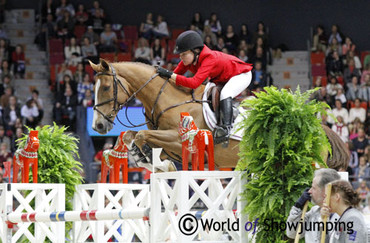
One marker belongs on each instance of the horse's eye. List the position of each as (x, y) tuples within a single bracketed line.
[(106, 88)]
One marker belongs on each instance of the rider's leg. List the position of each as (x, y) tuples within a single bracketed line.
[(232, 88)]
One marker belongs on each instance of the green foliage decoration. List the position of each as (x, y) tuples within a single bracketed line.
[(57, 162), (282, 138)]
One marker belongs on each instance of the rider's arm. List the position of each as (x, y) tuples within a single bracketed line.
[(201, 75)]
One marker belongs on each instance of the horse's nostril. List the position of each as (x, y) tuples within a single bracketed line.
[(100, 126)]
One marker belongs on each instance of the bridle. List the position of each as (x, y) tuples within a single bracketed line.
[(118, 106)]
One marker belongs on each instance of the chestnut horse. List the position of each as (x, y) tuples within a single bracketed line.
[(118, 83)]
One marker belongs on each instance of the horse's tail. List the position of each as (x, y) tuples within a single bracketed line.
[(339, 158)]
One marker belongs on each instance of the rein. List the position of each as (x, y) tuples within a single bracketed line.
[(117, 106)]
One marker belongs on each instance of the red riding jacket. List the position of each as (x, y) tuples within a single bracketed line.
[(217, 66)]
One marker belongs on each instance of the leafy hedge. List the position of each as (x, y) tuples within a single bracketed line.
[(282, 138), (57, 162)]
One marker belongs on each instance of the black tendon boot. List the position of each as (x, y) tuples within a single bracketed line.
[(222, 133)]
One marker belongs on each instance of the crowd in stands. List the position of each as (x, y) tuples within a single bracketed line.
[(15, 112), (345, 87)]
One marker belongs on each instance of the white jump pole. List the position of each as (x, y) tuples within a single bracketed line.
[(88, 215)]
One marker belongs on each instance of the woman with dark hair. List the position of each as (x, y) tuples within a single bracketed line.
[(214, 23), (197, 22), (351, 226)]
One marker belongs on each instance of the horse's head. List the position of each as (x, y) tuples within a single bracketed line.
[(108, 96)]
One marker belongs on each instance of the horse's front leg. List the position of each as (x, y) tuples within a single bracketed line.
[(169, 140)]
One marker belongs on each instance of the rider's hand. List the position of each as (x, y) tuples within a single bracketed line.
[(302, 200), (164, 73)]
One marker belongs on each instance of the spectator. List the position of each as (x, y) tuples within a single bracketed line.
[(88, 100), (4, 50), (160, 29), (5, 70), (260, 32), (242, 55), (208, 32), (50, 26), (64, 111), (7, 82), (39, 103), (365, 72), (81, 15), (30, 113), (146, 28), (357, 112), (339, 111), (157, 53), (231, 39), (332, 87), (67, 82), (353, 88), (259, 56), (89, 51), (244, 46), (341, 129), (319, 40), (4, 100), (363, 170), (63, 71), (360, 143), (208, 42), (335, 34), (354, 127), (48, 8), (78, 76), (108, 39), (63, 8), (351, 71), (72, 51), (322, 95), (96, 8), (17, 135), (11, 113), (220, 44), (348, 46), (18, 60), (91, 35), (197, 22), (65, 26), (142, 52), (365, 89), (334, 46), (5, 153), (352, 55), (82, 87), (3, 138), (215, 24), (340, 96), (244, 36), (259, 77)]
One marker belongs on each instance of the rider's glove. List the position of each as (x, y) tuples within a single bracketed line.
[(302, 200), (164, 73)]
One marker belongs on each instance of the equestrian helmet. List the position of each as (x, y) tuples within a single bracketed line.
[(188, 40)]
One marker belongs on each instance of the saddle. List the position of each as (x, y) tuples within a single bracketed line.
[(213, 96)]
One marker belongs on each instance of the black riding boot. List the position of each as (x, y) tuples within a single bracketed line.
[(222, 132)]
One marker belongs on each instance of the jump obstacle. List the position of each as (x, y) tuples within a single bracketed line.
[(105, 210)]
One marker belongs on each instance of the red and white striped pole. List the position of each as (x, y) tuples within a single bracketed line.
[(87, 215)]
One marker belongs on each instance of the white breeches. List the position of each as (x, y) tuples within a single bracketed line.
[(236, 85)]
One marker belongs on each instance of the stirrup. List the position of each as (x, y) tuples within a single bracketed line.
[(221, 135)]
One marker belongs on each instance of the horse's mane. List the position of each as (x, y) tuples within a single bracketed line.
[(339, 158), (151, 69)]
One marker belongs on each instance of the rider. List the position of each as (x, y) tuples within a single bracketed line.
[(219, 67)]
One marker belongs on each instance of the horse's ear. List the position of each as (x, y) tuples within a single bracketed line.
[(104, 64), (97, 68)]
